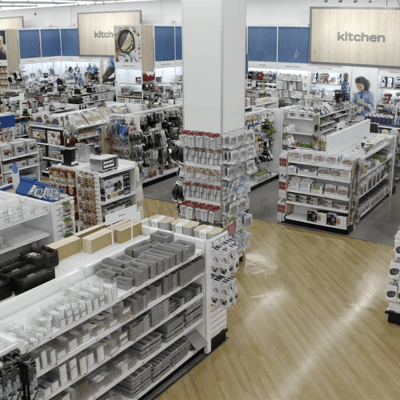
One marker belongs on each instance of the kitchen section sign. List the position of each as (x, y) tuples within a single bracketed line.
[(355, 36), (128, 46), (96, 31)]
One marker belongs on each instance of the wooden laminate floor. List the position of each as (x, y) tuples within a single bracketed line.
[(309, 324)]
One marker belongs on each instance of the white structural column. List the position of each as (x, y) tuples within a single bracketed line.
[(214, 47)]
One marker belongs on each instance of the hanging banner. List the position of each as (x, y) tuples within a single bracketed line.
[(3, 49), (12, 23), (128, 46), (355, 36), (96, 31)]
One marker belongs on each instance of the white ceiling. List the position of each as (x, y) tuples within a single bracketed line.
[(8, 5)]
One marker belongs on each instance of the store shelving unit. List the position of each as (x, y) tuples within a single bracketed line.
[(79, 269), (124, 166), (358, 204), (45, 226), (32, 169)]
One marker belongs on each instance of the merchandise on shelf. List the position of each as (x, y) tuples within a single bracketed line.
[(209, 157), (307, 127), (89, 213), (313, 184), (64, 178), (262, 122), (147, 138), (392, 289), (22, 152)]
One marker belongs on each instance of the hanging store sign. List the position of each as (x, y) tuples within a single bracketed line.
[(128, 46), (96, 31), (12, 23), (354, 36)]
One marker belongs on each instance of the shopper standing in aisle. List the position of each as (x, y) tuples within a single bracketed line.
[(346, 89), (364, 98)]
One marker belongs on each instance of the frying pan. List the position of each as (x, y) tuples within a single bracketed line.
[(122, 37)]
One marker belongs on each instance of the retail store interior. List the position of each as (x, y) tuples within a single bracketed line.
[(198, 199)]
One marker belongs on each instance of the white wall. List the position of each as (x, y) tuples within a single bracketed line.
[(259, 12), (153, 12), (297, 12)]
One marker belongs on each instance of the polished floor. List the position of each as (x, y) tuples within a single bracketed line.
[(309, 324)]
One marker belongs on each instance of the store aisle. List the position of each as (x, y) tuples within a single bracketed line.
[(309, 324)]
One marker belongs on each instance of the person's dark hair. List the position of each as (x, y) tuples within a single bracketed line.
[(364, 82)]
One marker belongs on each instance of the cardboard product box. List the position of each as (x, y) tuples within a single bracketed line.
[(90, 230), (198, 229), (123, 233), (178, 224), (166, 223), (155, 219), (392, 292), (202, 233), (137, 228), (67, 247), (214, 232), (97, 241), (188, 229)]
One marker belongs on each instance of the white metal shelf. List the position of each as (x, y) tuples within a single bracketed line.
[(147, 359), (373, 187), (375, 169), (369, 209), (21, 236), (303, 218), (22, 168), (374, 151), (126, 346), (320, 178), (318, 206), (335, 112), (318, 195), (302, 133), (52, 159), (166, 172), (300, 118), (93, 340), (196, 200), (327, 123), (154, 384), (4, 160), (49, 145), (2, 227), (122, 294), (56, 128), (346, 168), (203, 166), (90, 370), (114, 199)]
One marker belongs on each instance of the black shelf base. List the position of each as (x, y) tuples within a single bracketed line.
[(321, 227)]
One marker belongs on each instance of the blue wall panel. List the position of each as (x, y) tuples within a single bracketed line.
[(178, 41), (70, 42), (294, 44), (51, 46), (262, 43), (164, 38), (29, 43)]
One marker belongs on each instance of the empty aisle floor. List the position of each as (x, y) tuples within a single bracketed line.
[(309, 324)]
